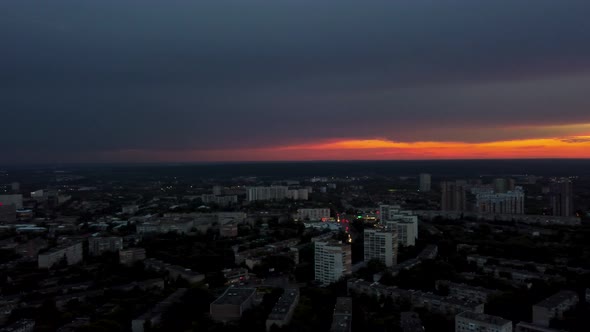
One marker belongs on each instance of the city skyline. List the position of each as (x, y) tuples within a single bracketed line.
[(113, 81)]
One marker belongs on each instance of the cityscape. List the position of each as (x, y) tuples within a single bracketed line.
[(173, 248), (294, 166)]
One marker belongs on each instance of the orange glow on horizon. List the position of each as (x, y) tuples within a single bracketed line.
[(380, 149)]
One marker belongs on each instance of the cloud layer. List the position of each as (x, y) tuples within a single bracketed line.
[(96, 81)]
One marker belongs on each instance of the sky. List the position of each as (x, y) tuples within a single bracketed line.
[(237, 80)]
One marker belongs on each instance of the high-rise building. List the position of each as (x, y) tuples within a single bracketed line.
[(471, 321), (562, 198), (333, 260), (454, 196), (407, 232), (511, 202), (388, 212), (381, 245), (217, 190), (424, 182), (272, 193)]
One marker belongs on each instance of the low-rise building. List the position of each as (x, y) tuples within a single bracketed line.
[(228, 230), (554, 307), (410, 322), (71, 252), (131, 255), (154, 315), (232, 304), (174, 271), (528, 327), (342, 317), (471, 321), (100, 245), (282, 312), (464, 291)]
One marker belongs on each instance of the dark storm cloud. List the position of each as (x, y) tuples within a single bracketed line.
[(79, 77)]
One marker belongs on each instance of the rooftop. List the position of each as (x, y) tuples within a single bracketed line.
[(284, 304), (495, 320), (235, 296), (343, 305), (341, 323), (557, 299)]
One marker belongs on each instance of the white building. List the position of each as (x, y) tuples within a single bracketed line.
[(381, 245), (313, 214), (407, 232), (425, 184), (387, 212), (511, 202), (71, 252), (405, 222), (477, 322), (332, 261), (99, 245)]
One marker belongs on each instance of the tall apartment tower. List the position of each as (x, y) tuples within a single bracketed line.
[(453, 196), (381, 245), (424, 182), (333, 260), (562, 198)]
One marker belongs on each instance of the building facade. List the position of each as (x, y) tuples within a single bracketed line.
[(511, 202), (381, 245), (313, 214), (71, 252), (478, 322), (333, 260), (453, 196), (99, 245), (562, 198), (554, 307), (131, 255), (425, 184)]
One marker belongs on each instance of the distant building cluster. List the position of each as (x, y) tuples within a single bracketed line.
[(509, 202), (276, 193)]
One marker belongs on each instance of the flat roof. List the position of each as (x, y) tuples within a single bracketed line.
[(235, 295), (343, 305), (495, 320), (281, 308), (341, 323), (557, 299)]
